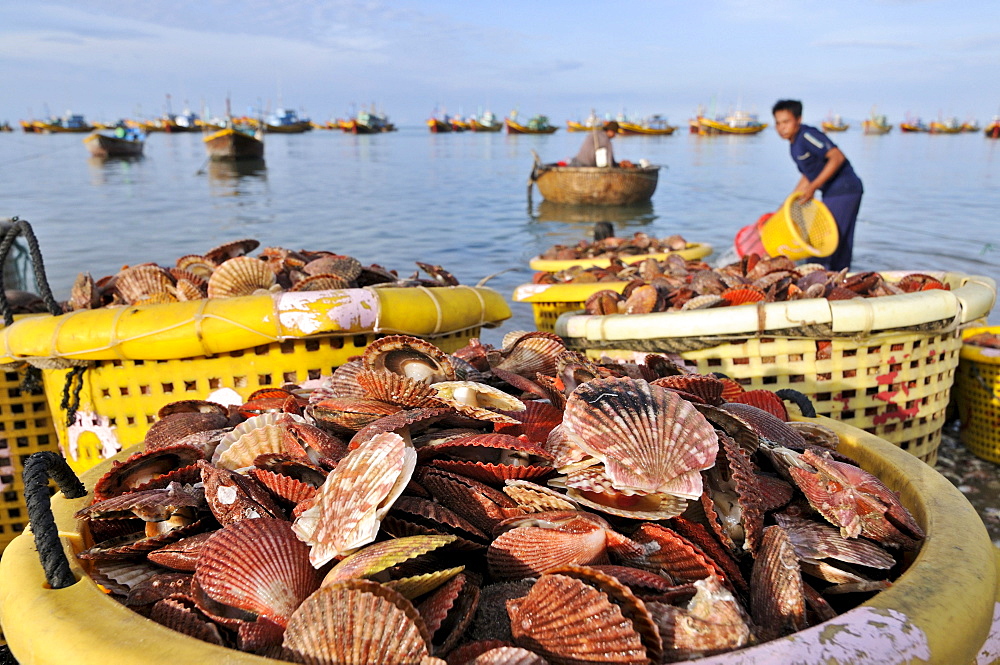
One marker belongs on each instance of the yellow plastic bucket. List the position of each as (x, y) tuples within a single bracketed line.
[(800, 230), (940, 611)]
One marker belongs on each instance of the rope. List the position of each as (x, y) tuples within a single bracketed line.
[(6, 657), (802, 401), (32, 380), (38, 469), (22, 227), (71, 393)]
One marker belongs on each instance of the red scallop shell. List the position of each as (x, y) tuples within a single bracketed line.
[(712, 622), (774, 492), (528, 551), (673, 555), (637, 579), (535, 422), (765, 400), (734, 472), (282, 486), (259, 566), (699, 536), (457, 599), (352, 413), (410, 419), (813, 540), (707, 388), (766, 425), (386, 386), (477, 502), (730, 388), (182, 616), (436, 516), (568, 621), (743, 295), (532, 354), (357, 622), (175, 426), (777, 601), (140, 468), (495, 474), (182, 554)]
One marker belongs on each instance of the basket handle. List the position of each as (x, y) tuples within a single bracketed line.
[(38, 469), (801, 400), (22, 227)]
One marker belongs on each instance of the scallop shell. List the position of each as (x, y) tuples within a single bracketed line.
[(766, 425), (141, 283), (84, 294), (670, 553), (492, 458), (732, 502), (415, 586), (528, 551), (154, 505), (411, 357), (232, 497), (182, 616), (777, 603), (816, 434), (712, 622), (532, 354), (284, 487), (140, 468), (119, 577), (377, 557), (706, 388), (392, 388), (764, 400), (355, 497), (356, 623), (229, 250), (648, 438), (240, 276), (344, 382), (197, 264), (406, 420), (347, 268), (568, 621), (476, 399), (249, 424), (172, 427), (535, 498), (508, 656), (812, 541), (457, 600), (321, 282), (259, 441), (699, 536), (536, 421), (192, 406), (159, 587), (593, 489), (258, 566), (352, 413), (180, 555), (477, 502), (436, 516), (567, 454)]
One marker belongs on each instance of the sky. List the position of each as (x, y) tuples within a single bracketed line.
[(109, 59)]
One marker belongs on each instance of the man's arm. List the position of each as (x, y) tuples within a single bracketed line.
[(834, 160)]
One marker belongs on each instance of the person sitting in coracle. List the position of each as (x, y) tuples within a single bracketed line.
[(596, 142)]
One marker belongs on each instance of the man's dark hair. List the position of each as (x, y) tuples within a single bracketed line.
[(611, 126), (793, 106)]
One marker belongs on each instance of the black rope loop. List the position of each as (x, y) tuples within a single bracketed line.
[(801, 400), (31, 383), (71, 393), (23, 228), (38, 469)]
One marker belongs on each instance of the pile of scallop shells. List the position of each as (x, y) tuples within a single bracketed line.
[(228, 271), (512, 505), (678, 285), (985, 339), (613, 246)]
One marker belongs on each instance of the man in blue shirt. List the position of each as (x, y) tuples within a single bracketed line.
[(824, 168)]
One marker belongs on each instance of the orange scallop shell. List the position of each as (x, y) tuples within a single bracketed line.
[(743, 295), (141, 283), (477, 502), (765, 400), (392, 388), (568, 621), (648, 438), (707, 388), (535, 422), (531, 354), (321, 282), (530, 550), (357, 622), (240, 276), (257, 565), (777, 601)]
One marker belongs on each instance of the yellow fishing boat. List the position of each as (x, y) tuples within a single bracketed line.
[(738, 122), (655, 125), (70, 123), (949, 126), (835, 124), (992, 130), (538, 124), (876, 124)]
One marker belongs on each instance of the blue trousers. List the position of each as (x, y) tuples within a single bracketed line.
[(844, 208)]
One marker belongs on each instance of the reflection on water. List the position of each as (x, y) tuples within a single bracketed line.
[(226, 177), (623, 216), (113, 170)]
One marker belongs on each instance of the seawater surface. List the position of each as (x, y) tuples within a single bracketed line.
[(460, 200)]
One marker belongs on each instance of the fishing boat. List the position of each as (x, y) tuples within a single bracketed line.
[(654, 125), (485, 122), (538, 124), (370, 122), (286, 121), (235, 144), (737, 122), (949, 126), (69, 123), (5, 127), (876, 124), (992, 130), (912, 125), (594, 185), (30, 127), (459, 125), (125, 142), (592, 122), (835, 124), (970, 126), (440, 125)]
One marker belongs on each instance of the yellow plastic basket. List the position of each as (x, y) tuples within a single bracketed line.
[(25, 428), (550, 301), (800, 231), (884, 365), (977, 386), (118, 399)]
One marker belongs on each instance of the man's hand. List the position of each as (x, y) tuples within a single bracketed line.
[(806, 192)]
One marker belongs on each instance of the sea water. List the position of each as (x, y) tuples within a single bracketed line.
[(461, 200)]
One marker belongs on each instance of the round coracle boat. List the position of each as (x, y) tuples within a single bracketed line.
[(596, 185)]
